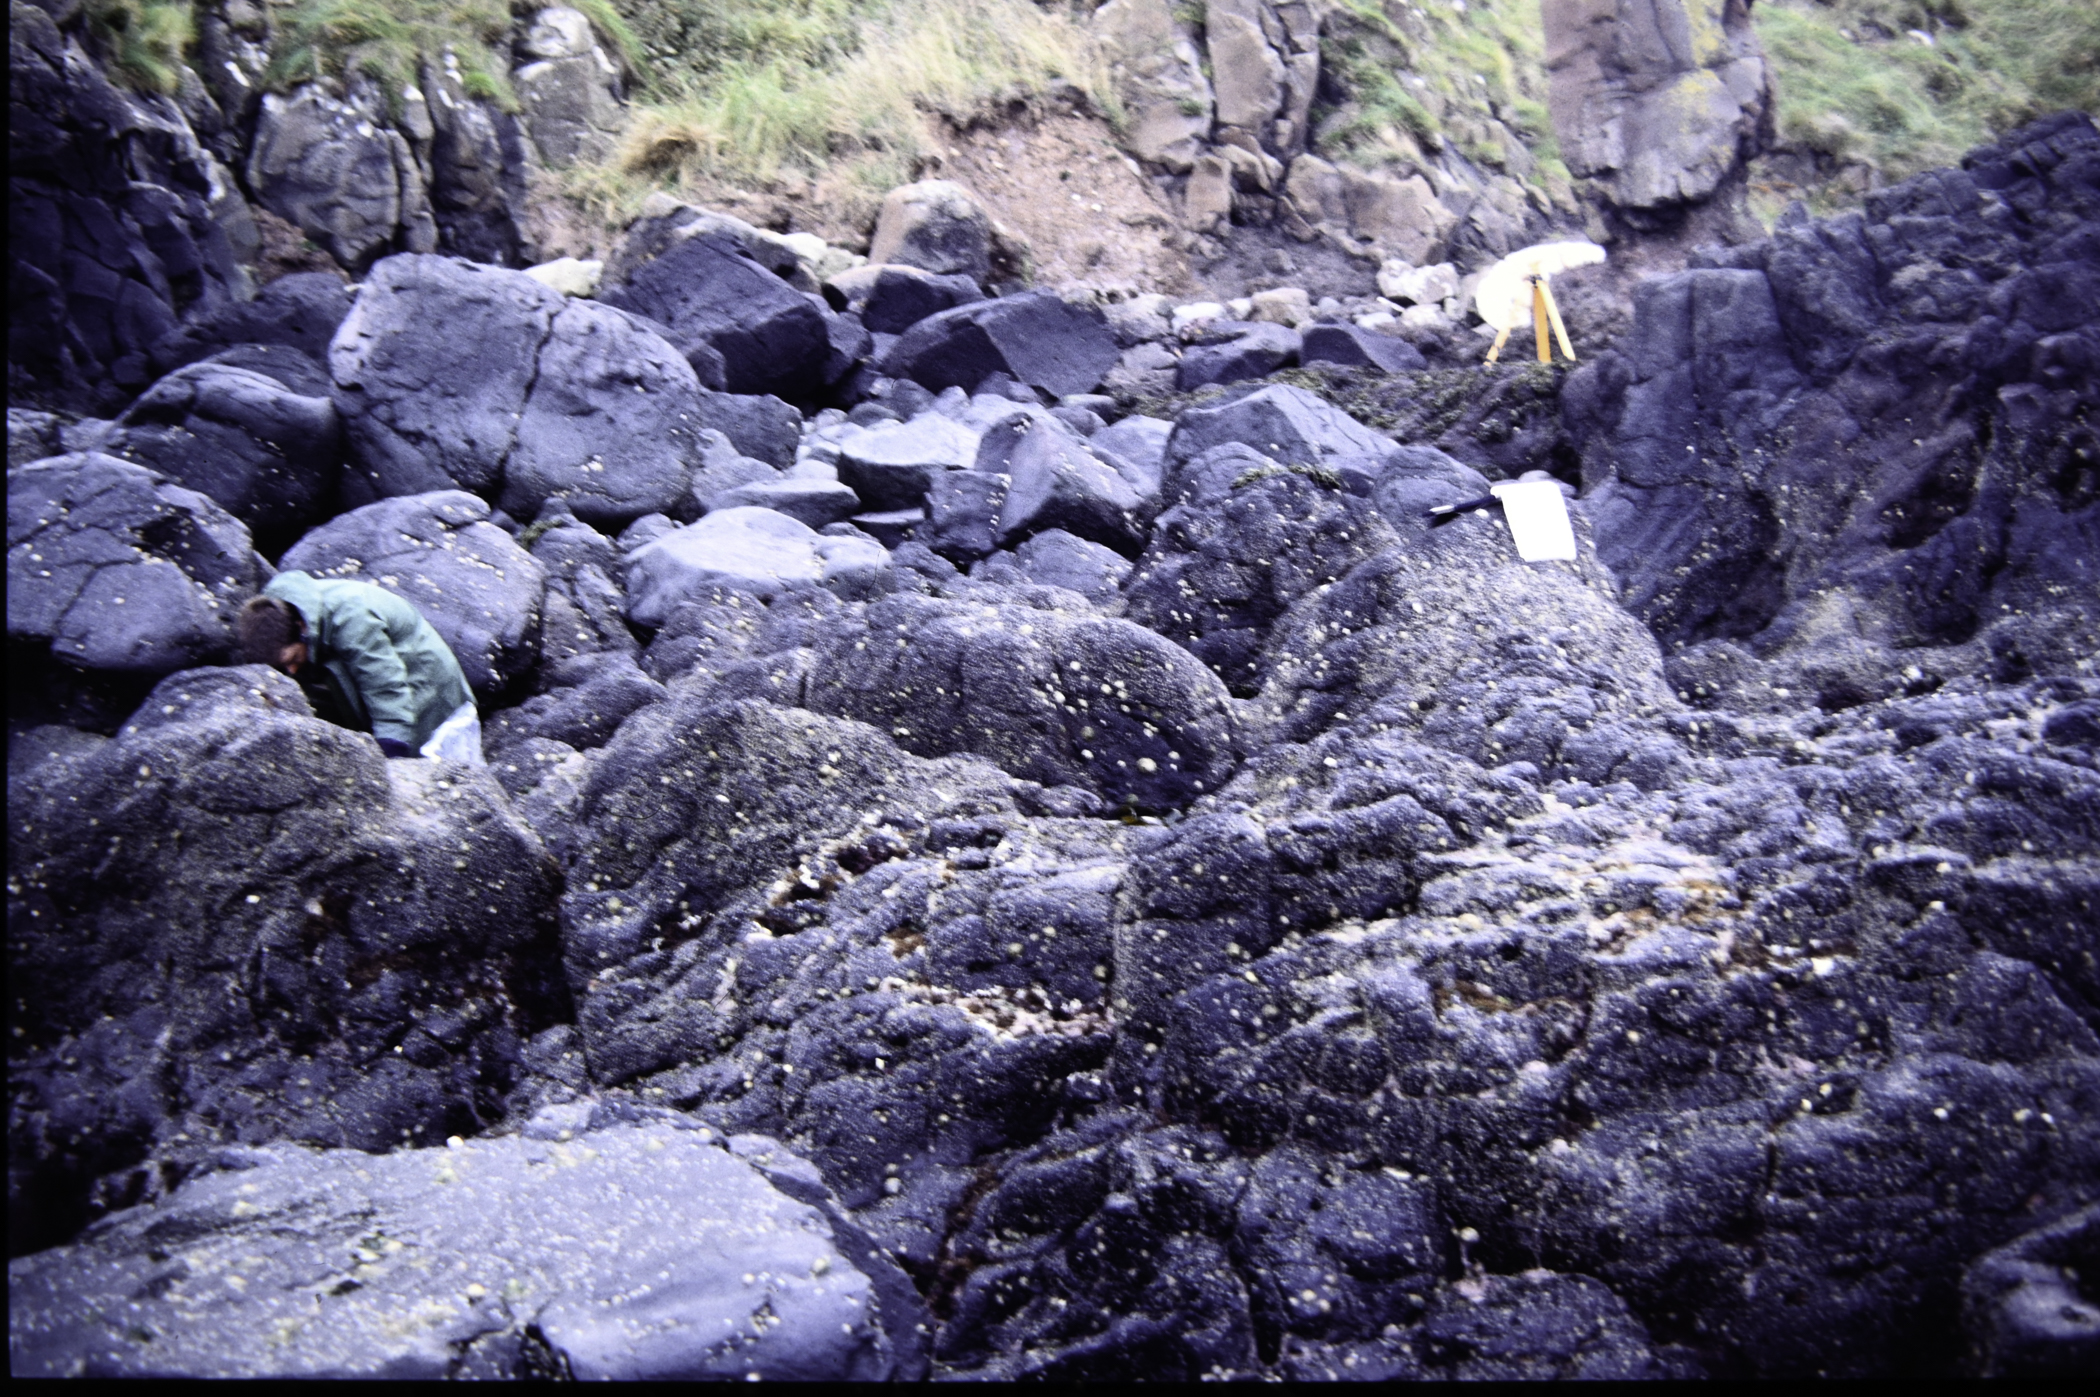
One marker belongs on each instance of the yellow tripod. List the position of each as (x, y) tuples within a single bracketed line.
[(1543, 309)]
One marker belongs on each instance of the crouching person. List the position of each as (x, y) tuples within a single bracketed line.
[(367, 660)]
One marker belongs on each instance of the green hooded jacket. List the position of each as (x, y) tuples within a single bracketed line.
[(385, 669)]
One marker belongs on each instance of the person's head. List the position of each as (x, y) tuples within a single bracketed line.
[(273, 633)]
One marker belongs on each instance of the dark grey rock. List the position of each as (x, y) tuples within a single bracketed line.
[(892, 528), (329, 164), (723, 469), (1253, 351), (1766, 465), (300, 311), (272, 456), (113, 234), (618, 1254), (2029, 1307), (583, 610), (1036, 337), (1353, 345), (1056, 558), (892, 465), (760, 426), (31, 436), (890, 297), (1245, 538), (1286, 424), (587, 697), (609, 424), (750, 549), (708, 291), (1057, 483), (962, 513), (111, 566), (227, 839), (423, 321), (481, 171), (814, 502), (1058, 699), (480, 591)]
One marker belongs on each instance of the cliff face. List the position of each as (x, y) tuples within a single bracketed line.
[(1010, 843)]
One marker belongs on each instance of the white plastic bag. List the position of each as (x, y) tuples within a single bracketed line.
[(458, 738)]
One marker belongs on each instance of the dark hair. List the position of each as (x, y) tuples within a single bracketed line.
[(265, 627)]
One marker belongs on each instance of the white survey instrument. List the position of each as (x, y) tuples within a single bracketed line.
[(1519, 283), (1538, 519)]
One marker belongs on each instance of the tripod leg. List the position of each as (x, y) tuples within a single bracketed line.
[(1496, 352), (1538, 320), (1559, 329)]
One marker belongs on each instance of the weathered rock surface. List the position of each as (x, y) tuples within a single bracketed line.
[(300, 311), (1659, 99), (1241, 929), (610, 424), (1159, 75), (332, 167), (456, 376), (432, 368), (569, 90), (720, 305), (750, 548), (1035, 337), (1864, 447), (697, 1268), (937, 226), (237, 922), (115, 228), (270, 455), (111, 566)]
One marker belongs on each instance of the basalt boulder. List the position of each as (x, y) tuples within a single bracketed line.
[(270, 455), (238, 922), (113, 567)]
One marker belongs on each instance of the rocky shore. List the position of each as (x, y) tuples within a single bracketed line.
[(1011, 846)]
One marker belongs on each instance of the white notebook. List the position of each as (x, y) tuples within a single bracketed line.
[(1538, 519)]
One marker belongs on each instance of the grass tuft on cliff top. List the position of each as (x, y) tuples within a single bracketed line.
[(145, 40), (389, 40), (1911, 85), (756, 93)]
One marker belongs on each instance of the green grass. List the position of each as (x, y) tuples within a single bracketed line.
[(1854, 84), (1421, 78), (773, 89), (388, 41), (144, 39)]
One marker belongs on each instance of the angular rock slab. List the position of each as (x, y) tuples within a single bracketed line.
[(267, 454), (890, 466), (1258, 349), (713, 296), (1057, 483), (118, 568), (1351, 344), (750, 549), (1286, 424), (1036, 337), (634, 1252), (937, 226), (475, 586)]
